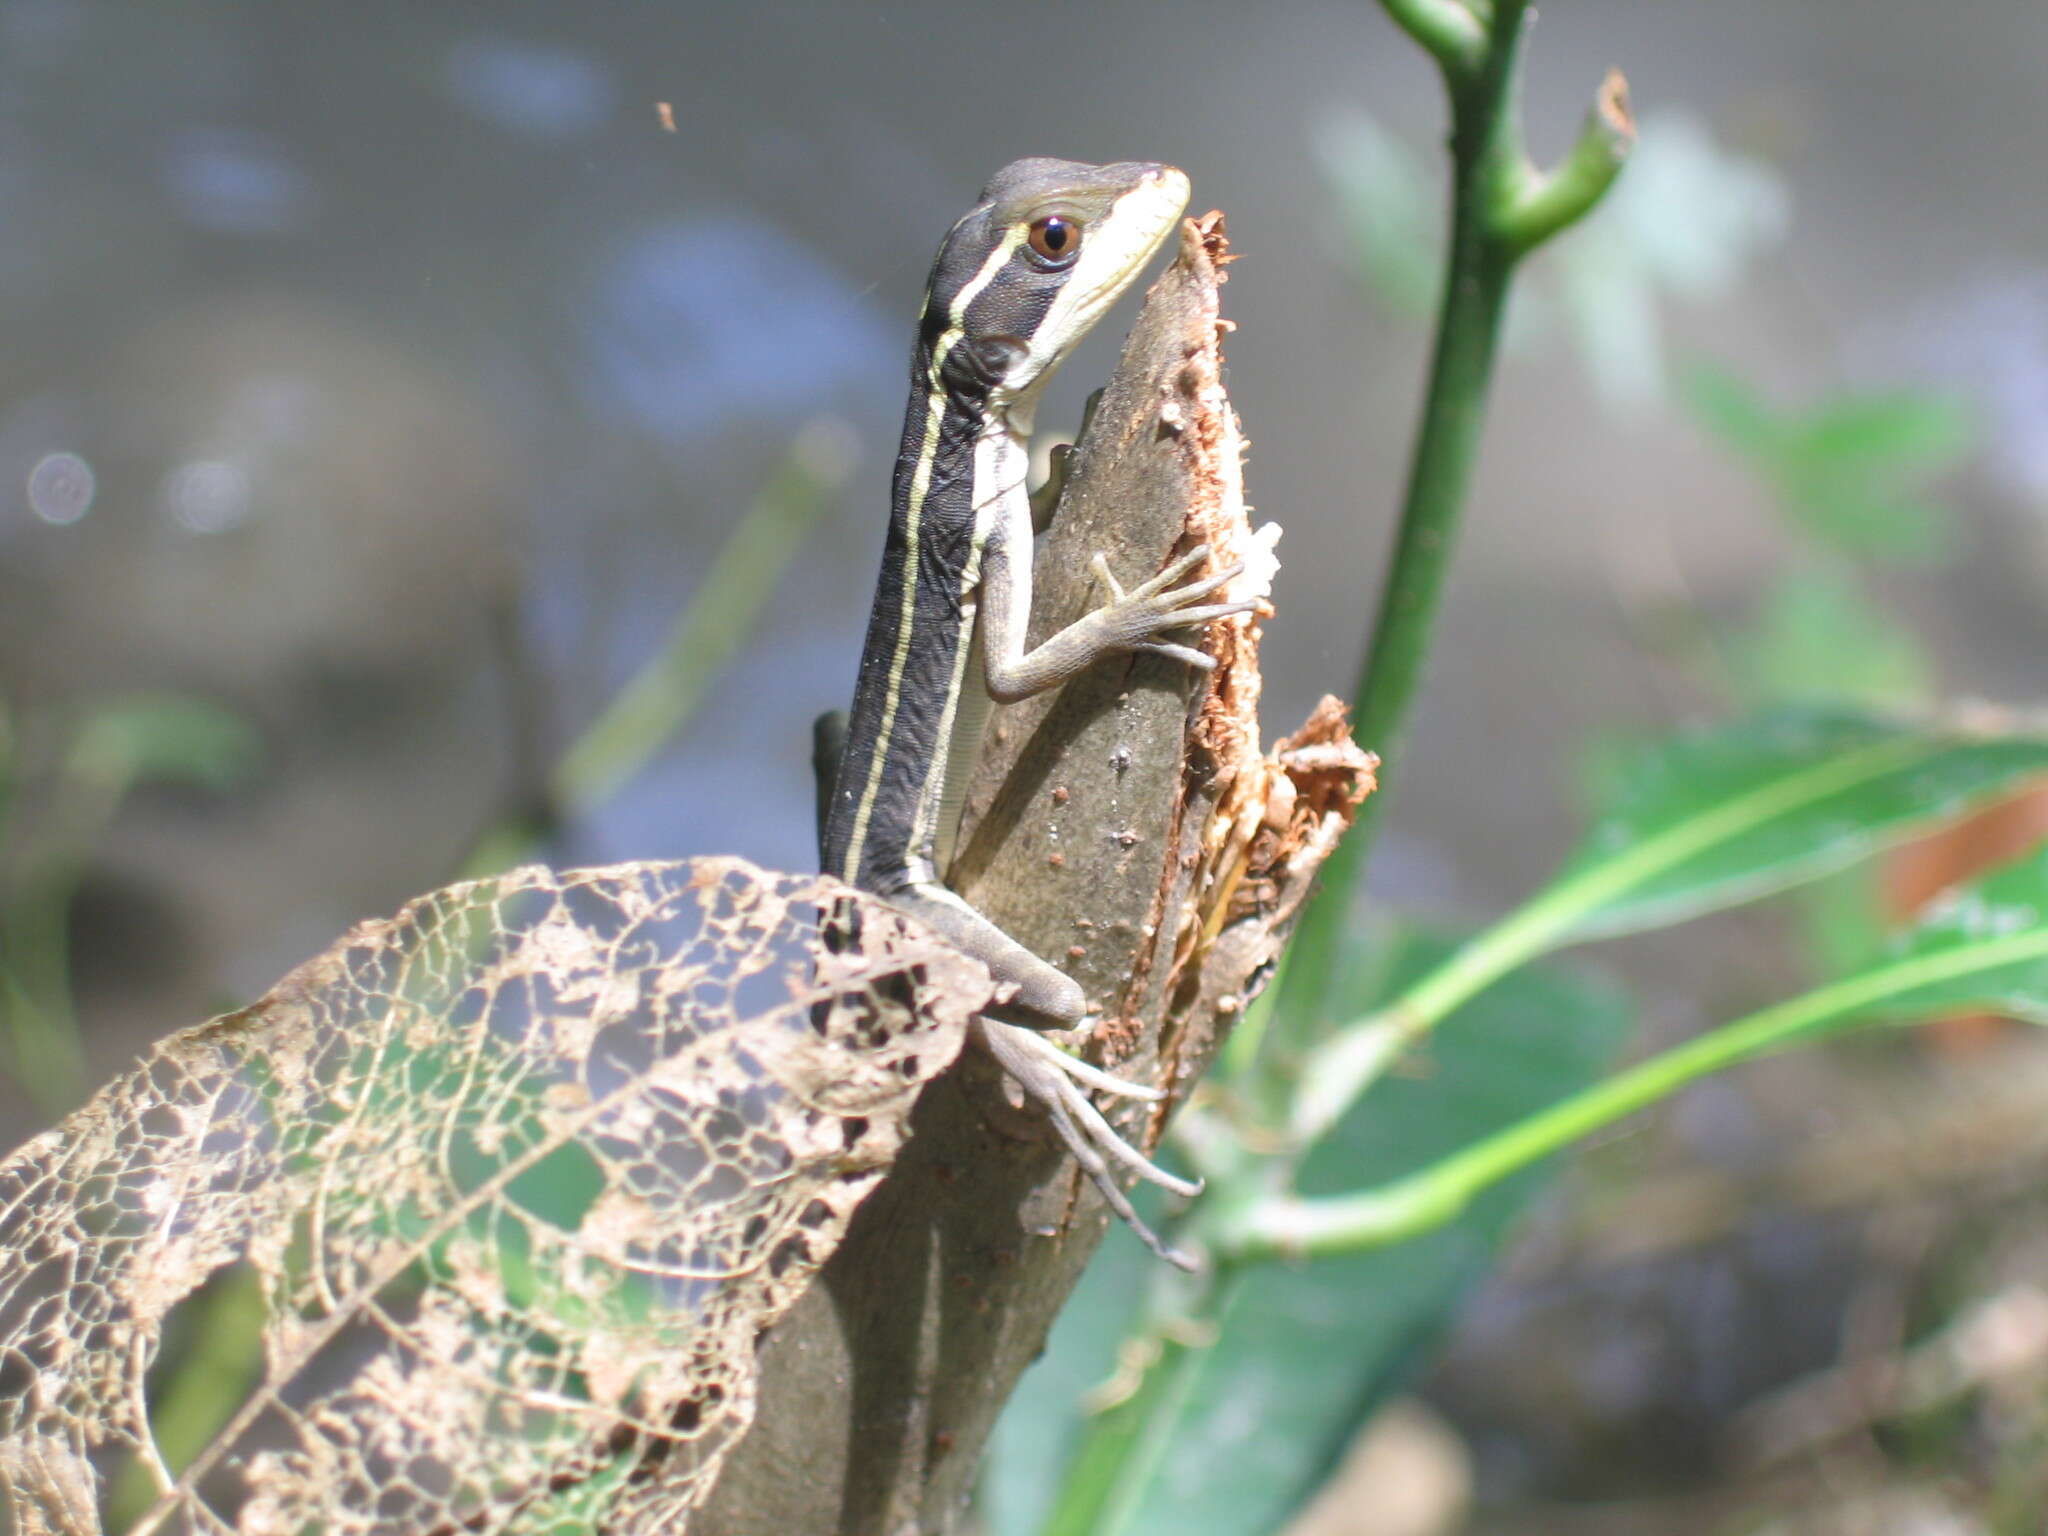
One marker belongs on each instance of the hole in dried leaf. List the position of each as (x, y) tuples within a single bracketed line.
[(791, 1250), (561, 1187)]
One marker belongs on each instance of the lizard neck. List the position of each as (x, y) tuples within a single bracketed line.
[(881, 825)]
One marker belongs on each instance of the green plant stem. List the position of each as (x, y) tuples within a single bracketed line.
[(1501, 208), (1533, 205), (48, 1056), (660, 698), (1290, 1226), (1439, 470), (225, 1364), (1450, 30)]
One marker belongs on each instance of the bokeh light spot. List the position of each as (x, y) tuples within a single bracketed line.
[(207, 495), (60, 488)]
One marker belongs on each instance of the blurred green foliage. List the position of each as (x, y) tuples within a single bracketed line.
[(1232, 1400), (1849, 473), (64, 776), (1416, 1130), (1851, 479)]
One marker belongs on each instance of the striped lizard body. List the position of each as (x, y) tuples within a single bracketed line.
[(1017, 282)]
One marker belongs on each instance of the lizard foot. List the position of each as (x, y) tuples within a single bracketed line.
[(1052, 1079), (1154, 607)]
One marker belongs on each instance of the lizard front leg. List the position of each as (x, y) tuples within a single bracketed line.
[(1048, 1076), (1130, 621)]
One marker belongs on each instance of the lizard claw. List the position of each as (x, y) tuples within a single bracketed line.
[(1201, 661), (1051, 1079)]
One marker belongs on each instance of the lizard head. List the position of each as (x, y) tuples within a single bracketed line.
[(1034, 264)]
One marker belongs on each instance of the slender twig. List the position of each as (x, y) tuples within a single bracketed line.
[(48, 1052), (1537, 204), (660, 698)]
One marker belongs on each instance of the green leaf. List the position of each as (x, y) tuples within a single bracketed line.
[(1902, 430), (1734, 412), (1982, 947), (1820, 637), (1856, 517), (1307, 1353), (1858, 521), (1846, 472), (1843, 922), (1713, 818)]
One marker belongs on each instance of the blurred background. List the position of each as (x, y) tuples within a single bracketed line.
[(385, 380)]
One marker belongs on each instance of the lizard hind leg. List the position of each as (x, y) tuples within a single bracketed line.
[(1048, 1077), (1040, 989)]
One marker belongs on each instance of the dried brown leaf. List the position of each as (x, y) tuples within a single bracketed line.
[(524, 1171)]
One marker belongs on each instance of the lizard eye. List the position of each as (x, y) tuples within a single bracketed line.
[(1055, 240)]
